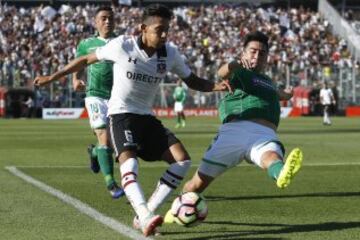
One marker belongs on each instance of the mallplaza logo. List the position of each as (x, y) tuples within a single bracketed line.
[(60, 113)]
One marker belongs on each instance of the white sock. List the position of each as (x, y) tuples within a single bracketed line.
[(133, 191), (327, 119), (168, 182)]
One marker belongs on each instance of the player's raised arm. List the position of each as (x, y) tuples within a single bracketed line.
[(203, 85), (226, 70), (74, 66)]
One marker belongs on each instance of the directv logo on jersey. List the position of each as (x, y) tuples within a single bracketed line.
[(143, 77), (132, 60)]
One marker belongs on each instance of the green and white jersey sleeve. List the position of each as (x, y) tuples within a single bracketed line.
[(100, 74)]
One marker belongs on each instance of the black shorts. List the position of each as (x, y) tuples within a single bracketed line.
[(143, 134)]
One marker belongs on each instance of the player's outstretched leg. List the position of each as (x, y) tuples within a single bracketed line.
[(94, 164), (290, 168)]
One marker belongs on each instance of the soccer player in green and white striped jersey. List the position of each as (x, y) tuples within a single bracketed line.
[(98, 88)]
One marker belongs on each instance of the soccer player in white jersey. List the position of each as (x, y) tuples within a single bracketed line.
[(140, 64), (326, 99)]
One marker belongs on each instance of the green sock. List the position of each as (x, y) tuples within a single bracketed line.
[(275, 169), (104, 154), (178, 120)]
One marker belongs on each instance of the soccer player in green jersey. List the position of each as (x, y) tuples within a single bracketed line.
[(98, 88), (250, 117), (179, 96)]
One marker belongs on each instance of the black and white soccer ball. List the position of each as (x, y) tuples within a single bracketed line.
[(189, 209)]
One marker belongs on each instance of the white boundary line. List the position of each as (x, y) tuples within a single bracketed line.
[(155, 165), (82, 207)]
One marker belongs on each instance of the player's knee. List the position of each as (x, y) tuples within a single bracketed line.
[(125, 155), (267, 158)]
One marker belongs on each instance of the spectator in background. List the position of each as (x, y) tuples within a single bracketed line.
[(326, 99), (207, 35), (179, 96)]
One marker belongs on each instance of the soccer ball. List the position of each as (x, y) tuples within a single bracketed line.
[(189, 209)]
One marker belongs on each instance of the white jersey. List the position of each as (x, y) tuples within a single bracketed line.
[(326, 96), (137, 76)]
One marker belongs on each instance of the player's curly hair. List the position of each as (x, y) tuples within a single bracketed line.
[(157, 10), (257, 36)]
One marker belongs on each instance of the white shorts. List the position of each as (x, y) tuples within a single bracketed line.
[(178, 107), (237, 141), (97, 109)]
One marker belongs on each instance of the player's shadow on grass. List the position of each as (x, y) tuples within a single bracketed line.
[(326, 194), (281, 229)]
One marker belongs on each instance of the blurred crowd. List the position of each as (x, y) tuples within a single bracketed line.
[(39, 40), (353, 17)]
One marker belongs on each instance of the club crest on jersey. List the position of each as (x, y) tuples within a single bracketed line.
[(161, 67), (132, 60)]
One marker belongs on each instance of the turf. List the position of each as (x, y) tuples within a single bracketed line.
[(322, 202)]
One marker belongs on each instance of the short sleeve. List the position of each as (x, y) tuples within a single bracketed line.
[(80, 51), (110, 51), (180, 67)]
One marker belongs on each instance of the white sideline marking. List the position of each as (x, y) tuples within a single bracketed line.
[(155, 165), (82, 207)]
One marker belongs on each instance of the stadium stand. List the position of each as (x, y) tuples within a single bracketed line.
[(303, 51)]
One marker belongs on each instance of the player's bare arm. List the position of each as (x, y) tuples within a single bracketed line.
[(78, 82), (74, 66), (226, 70), (199, 84)]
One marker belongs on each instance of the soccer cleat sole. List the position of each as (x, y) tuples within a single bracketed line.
[(291, 167)]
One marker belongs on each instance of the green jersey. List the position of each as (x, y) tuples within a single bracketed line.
[(100, 74), (179, 94), (255, 97)]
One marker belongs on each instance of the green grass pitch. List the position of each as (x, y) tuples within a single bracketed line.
[(323, 201)]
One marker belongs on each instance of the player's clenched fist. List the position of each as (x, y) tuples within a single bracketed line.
[(223, 86), (41, 80)]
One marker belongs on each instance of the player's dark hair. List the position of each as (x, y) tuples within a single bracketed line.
[(156, 10), (104, 8), (258, 37)]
